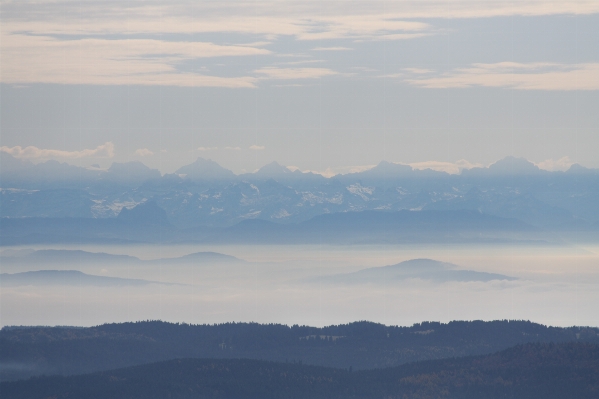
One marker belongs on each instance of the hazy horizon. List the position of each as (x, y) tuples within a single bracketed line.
[(554, 286), (328, 87), (452, 168)]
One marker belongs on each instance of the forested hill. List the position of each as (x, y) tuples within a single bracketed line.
[(547, 371), (362, 345)]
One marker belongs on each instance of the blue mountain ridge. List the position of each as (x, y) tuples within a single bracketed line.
[(206, 194)]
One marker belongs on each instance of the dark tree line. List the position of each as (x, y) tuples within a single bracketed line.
[(361, 345)]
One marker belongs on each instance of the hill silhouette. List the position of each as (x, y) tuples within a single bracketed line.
[(362, 345), (527, 371)]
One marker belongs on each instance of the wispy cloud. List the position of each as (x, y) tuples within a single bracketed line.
[(418, 71), (105, 150), (257, 147), (269, 18), (294, 73), (532, 76), (360, 27), (396, 36), (332, 49), (43, 59), (143, 152)]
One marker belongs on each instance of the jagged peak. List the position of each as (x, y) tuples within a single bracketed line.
[(205, 169), (273, 168)]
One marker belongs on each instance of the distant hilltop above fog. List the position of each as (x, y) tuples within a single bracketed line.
[(203, 196), (78, 257), (424, 269)]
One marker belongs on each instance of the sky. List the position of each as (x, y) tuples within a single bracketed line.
[(326, 86)]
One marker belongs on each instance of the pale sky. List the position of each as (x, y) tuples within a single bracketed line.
[(325, 85)]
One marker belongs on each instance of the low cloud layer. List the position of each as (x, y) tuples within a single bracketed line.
[(513, 75), (105, 150)]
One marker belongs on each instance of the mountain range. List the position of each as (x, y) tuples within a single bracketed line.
[(206, 195)]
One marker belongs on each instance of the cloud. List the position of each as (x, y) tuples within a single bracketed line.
[(532, 76), (267, 19), (257, 147), (207, 148), (116, 44), (453, 168), (332, 49), (360, 27), (562, 164), (98, 61), (294, 73), (302, 62), (105, 150), (418, 71), (398, 36), (143, 152)]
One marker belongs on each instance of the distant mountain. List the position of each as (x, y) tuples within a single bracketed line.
[(376, 227), (424, 269), (147, 222), (66, 277), (10, 164), (133, 172), (55, 175), (385, 171), (508, 166), (272, 170), (31, 231), (404, 220), (513, 165), (206, 194), (18, 203), (143, 214), (530, 371), (577, 169), (204, 169)]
